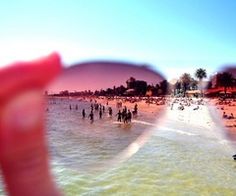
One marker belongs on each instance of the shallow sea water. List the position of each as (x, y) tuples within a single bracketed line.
[(178, 159)]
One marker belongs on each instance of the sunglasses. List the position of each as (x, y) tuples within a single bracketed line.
[(96, 115), (102, 110)]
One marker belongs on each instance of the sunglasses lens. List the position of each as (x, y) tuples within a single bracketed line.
[(102, 112), (222, 90)]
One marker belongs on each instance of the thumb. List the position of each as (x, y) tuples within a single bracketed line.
[(23, 151)]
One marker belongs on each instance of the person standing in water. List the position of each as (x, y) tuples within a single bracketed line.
[(100, 113), (110, 111), (136, 109), (70, 107), (123, 115), (83, 113), (125, 109), (119, 114), (129, 116), (91, 116)]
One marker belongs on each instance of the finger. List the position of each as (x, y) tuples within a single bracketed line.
[(21, 76)]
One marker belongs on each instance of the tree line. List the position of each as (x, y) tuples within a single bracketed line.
[(133, 87), (185, 82), (223, 79)]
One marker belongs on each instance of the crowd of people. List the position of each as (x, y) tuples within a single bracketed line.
[(124, 115), (187, 102), (227, 106)]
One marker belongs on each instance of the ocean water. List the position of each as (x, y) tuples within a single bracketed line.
[(177, 159), (77, 143)]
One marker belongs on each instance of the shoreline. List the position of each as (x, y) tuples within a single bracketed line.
[(143, 107), (195, 112)]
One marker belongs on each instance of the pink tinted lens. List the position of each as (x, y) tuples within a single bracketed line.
[(101, 112)]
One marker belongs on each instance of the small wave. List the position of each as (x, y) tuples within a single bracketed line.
[(223, 142), (177, 131), (137, 121), (144, 122)]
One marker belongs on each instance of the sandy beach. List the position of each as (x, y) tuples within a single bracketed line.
[(227, 112), (142, 105), (192, 111)]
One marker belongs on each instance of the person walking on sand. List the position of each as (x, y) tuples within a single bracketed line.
[(83, 113)]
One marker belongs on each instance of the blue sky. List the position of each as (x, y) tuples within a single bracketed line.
[(172, 36)]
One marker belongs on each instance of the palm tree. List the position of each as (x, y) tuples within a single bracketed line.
[(225, 80), (177, 87), (185, 81), (200, 74), (164, 87)]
